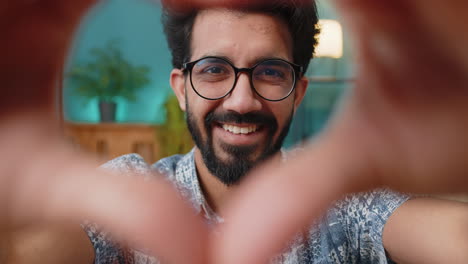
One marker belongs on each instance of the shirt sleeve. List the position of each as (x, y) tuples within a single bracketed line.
[(106, 250), (365, 216)]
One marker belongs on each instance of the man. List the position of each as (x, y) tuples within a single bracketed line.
[(57, 198), (238, 75)]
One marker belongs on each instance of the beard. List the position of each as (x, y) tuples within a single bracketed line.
[(232, 170)]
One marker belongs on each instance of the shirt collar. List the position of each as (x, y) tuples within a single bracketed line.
[(187, 182)]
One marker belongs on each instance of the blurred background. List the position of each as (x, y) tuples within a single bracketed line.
[(116, 96)]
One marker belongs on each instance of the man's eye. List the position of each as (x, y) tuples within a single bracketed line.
[(270, 73), (214, 70)]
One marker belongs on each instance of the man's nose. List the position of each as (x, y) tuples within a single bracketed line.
[(242, 98)]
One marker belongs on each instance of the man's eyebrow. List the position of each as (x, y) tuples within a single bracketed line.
[(217, 56), (264, 58), (257, 60)]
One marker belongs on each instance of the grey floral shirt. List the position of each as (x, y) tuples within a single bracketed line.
[(350, 231)]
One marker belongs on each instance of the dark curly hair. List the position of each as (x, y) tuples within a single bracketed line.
[(300, 17)]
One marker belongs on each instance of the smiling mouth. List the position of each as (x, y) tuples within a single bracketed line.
[(240, 130)]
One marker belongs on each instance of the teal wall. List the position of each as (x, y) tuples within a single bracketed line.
[(137, 24)]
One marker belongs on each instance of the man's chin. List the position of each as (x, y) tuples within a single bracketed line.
[(232, 153), (230, 163)]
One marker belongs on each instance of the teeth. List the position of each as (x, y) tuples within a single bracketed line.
[(240, 130)]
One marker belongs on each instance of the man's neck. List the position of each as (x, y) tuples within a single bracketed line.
[(216, 193)]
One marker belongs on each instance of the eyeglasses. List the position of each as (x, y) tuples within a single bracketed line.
[(213, 78)]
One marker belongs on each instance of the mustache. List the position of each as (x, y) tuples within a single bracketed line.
[(258, 118)]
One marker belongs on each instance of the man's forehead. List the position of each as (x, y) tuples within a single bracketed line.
[(227, 15), (210, 22), (232, 12)]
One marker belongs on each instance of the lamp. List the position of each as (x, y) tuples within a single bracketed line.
[(330, 45), (330, 42)]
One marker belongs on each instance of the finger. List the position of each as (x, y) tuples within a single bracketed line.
[(411, 90), (44, 182), (148, 215), (448, 20), (394, 41), (36, 36), (277, 202), (188, 5)]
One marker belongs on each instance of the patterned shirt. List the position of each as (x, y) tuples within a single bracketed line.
[(349, 232)]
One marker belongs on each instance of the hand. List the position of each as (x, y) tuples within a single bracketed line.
[(333, 154), (403, 126), (41, 180)]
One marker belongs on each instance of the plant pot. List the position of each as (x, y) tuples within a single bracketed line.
[(107, 111)]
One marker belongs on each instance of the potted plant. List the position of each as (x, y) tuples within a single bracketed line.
[(108, 77), (174, 136)]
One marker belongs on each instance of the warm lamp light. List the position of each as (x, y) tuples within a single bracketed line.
[(330, 43)]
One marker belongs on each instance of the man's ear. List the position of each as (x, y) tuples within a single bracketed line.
[(177, 82), (301, 88)]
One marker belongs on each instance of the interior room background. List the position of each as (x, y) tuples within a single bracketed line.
[(135, 26)]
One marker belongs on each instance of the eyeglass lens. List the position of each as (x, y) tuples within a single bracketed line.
[(214, 78)]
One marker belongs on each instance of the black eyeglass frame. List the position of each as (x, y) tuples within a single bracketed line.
[(298, 71)]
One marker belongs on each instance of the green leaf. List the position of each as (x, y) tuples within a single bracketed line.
[(108, 75)]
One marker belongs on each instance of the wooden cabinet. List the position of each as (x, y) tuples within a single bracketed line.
[(110, 140)]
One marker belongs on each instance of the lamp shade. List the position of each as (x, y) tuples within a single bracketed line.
[(330, 39)]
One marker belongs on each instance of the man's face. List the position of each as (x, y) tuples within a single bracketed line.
[(238, 131)]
